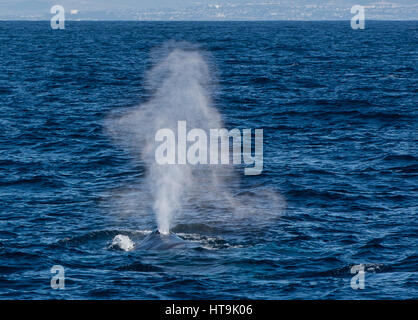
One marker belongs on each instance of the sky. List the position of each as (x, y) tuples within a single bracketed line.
[(208, 9)]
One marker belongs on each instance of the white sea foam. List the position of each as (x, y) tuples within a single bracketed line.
[(122, 242)]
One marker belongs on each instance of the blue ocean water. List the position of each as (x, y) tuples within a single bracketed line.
[(339, 112)]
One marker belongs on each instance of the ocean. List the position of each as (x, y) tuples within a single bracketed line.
[(339, 188)]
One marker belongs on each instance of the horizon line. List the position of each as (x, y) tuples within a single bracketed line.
[(254, 20)]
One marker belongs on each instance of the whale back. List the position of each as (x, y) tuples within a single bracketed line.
[(159, 241)]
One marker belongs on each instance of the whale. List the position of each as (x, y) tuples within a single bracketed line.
[(160, 241)]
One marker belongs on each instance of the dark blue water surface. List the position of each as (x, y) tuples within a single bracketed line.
[(339, 112)]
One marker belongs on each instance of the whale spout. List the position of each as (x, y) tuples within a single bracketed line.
[(160, 241)]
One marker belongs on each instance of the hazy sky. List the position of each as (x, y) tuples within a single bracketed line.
[(38, 8)]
